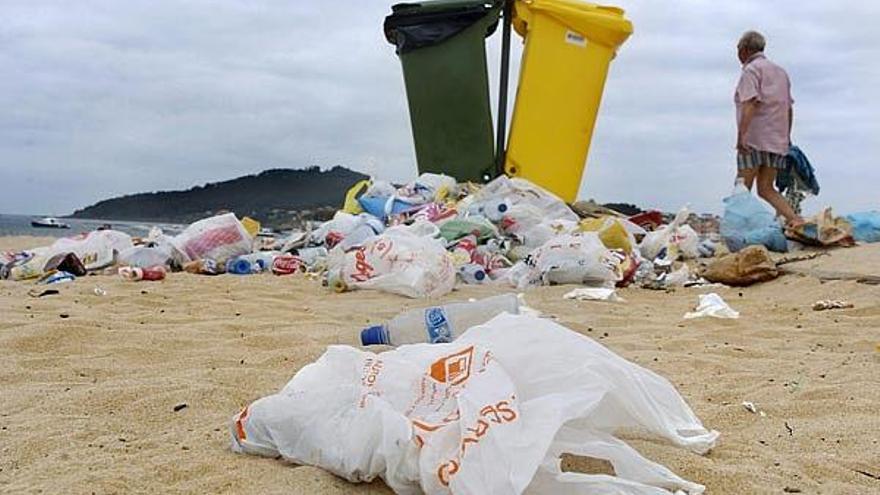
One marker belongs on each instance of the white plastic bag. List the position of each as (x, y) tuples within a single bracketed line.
[(529, 225), (145, 257), (594, 294), (489, 413), (518, 191), (428, 188), (96, 249), (677, 238), (404, 260), (568, 259), (714, 306), (218, 238)]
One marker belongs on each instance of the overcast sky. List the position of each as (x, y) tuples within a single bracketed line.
[(106, 98)]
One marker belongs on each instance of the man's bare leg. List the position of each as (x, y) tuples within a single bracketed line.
[(748, 176), (767, 190)]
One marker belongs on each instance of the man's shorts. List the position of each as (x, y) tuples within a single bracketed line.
[(753, 159)]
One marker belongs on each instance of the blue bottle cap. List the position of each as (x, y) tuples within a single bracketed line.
[(375, 335), (480, 275)]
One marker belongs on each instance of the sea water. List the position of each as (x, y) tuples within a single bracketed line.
[(21, 225)]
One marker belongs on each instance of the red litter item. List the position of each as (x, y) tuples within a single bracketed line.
[(152, 273), (286, 264), (648, 220), (333, 238)]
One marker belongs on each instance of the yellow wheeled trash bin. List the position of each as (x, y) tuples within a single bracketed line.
[(568, 47)]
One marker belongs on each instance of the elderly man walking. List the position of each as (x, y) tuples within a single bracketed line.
[(764, 117)]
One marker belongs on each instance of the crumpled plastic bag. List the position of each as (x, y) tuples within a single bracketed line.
[(677, 239), (712, 305), (145, 257), (219, 238), (568, 259), (594, 294), (96, 249), (824, 230), (489, 413), (614, 232), (749, 266), (746, 222), (866, 226), (518, 191), (405, 260), (532, 229), (347, 229)]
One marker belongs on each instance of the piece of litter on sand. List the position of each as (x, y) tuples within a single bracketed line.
[(752, 408), (100, 291), (180, 407), (43, 293), (594, 294), (714, 306), (832, 304)]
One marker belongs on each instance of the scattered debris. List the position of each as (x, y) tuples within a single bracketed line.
[(594, 294), (100, 291), (43, 293), (752, 408), (831, 304)]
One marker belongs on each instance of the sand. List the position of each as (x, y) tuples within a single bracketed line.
[(89, 382)]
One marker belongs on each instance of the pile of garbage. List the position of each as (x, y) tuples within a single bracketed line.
[(420, 239)]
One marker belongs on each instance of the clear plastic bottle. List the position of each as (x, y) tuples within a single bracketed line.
[(262, 259), (439, 324), (240, 266), (472, 273)]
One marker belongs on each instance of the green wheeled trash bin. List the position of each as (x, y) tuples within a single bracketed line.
[(441, 45)]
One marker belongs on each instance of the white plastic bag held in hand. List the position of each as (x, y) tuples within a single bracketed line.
[(487, 414)]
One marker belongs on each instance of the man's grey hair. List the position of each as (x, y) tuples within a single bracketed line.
[(752, 42)]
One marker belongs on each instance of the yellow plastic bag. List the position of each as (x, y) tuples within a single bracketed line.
[(251, 226), (611, 232), (351, 205)]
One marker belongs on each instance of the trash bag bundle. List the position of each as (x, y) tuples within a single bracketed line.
[(489, 413), (746, 223)]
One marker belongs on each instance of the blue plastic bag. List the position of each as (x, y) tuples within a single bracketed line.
[(866, 226), (746, 222)]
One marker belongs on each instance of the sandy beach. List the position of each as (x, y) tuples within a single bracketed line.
[(89, 382)]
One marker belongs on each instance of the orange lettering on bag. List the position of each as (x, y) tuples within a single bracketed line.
[(239, 424), (445, 472)]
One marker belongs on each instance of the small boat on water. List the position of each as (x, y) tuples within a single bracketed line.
[(49, 223)]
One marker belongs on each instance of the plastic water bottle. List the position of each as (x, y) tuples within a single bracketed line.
[(472, 273), (263, 260), (239, 266), (439, 324)]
